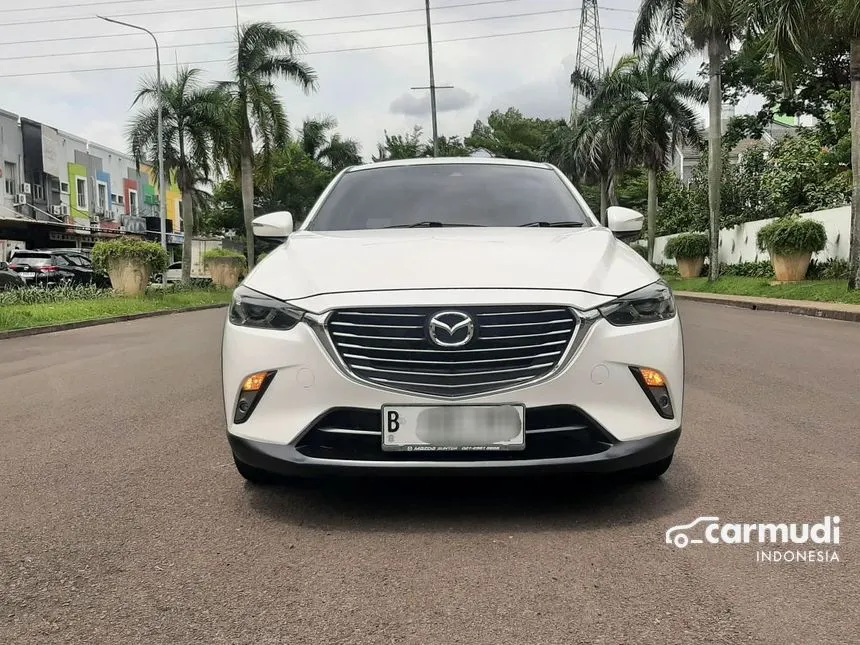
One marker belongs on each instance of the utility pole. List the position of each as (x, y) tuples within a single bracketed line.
[(433, 87), (162, 206)]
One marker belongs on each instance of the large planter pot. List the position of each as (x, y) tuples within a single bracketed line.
[(791, 268), (690, 267), (129, 276), (225, 272)]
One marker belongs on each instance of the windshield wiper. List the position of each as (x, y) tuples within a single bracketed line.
[(429, 225), (566, 224)]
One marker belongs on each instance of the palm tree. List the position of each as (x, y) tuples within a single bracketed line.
[(792, 31), (585, 149), (648, 106), (190, 120), (711, 25), (333, 152), (253, 111)]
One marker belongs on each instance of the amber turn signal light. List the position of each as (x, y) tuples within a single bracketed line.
[(253, 388), (652, 378), (254, 383), (656, 388)]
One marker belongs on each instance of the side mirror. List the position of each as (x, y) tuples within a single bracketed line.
[(278, 224), (625, 223), (4, 266)]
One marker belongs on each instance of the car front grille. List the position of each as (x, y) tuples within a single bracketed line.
[(511, 346)]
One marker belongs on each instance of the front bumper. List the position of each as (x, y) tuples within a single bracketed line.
[(617, 426), (287, 460)]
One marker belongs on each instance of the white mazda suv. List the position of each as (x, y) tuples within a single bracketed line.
[(452, 316)]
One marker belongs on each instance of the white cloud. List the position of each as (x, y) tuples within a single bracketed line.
[(447, 100)]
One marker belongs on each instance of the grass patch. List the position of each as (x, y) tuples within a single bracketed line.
[(25, 316), (815, 290)]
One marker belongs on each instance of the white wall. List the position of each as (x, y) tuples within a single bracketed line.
[(11, 151), (738, 244)]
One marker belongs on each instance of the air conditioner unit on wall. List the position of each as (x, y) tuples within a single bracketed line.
[(26, 189), (57, 210), (64, 209), (20, 198)]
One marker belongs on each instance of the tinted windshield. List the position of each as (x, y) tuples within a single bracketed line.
[(451, 194), (33, 259)]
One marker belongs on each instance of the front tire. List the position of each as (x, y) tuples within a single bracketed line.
[(255, 476), (652, 471)]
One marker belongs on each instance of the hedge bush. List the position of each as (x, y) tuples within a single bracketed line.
[(214, 254), (150, 253), (62, 293), (833, 269), (790, 235), (762, 269), (687, 245)]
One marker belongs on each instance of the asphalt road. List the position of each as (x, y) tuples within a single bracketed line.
[(122, 519)]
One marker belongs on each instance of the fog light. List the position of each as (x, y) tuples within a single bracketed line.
[(656, 388), (253, 388)]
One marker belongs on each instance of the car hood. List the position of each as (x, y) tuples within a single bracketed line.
[(587, 260)]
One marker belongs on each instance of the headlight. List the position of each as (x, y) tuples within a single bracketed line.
[(252, 309), (649, 304)]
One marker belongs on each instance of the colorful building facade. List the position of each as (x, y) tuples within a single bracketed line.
[(66, 191)]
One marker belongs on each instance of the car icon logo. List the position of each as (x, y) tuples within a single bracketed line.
[(677, 534), (451, 328)]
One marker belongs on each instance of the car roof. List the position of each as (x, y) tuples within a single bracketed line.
[(439, 161)]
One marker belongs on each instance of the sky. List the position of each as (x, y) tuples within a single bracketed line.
[(48, 47)]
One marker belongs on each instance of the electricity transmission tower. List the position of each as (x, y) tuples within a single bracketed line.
[(589, 53)]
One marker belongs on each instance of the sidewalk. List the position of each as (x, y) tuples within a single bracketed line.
[(834, 310)]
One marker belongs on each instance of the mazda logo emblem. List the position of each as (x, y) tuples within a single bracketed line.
[(451, 329)]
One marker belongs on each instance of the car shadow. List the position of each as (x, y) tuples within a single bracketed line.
[(475, 504)]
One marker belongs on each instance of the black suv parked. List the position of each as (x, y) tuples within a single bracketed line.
[(52, 267)]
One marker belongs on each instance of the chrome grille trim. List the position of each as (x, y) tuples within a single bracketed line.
[(513, 346)]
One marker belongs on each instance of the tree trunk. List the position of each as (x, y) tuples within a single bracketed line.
[(187, 231), (247, 170), (854, 253), (652, 212), (715, 156), (613, 189), (604, 200)]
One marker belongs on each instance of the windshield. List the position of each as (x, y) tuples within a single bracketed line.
[(448, 195), (33, 259)]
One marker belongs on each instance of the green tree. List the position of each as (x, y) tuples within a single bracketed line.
[(792, 33), (447, 147), (254, 113), (190, 116), (332, 151), (590, 149), (400, 146), (649, 107), (511, 135), (711, 25)]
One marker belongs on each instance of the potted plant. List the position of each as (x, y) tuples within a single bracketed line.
[(226, 267), (129, 263), (689, 250), (791, 241)]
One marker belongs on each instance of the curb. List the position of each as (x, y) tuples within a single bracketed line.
[(772, 304), (49, 329)]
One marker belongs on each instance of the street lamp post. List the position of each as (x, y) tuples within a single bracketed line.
[(161, 189)]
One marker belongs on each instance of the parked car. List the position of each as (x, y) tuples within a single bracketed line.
[(452, 316), (10, 279), (53, 267)]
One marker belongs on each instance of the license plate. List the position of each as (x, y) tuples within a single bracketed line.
[(27, 274), (453, 427)]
